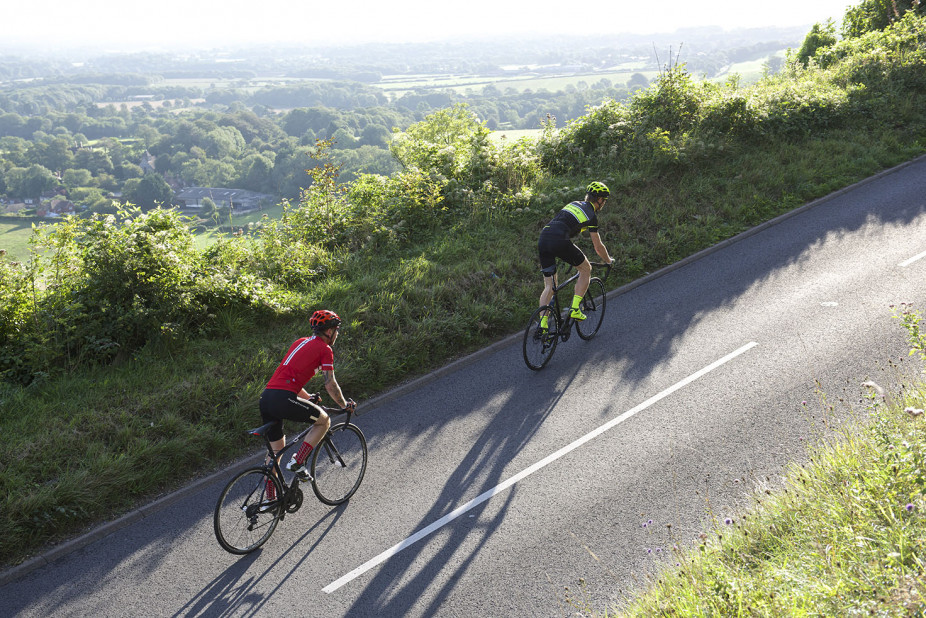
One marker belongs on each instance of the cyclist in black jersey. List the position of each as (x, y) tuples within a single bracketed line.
[(555, 242)]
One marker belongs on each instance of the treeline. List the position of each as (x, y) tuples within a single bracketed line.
[(84, 128), (235, 139)]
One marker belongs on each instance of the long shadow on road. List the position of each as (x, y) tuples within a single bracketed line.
[(511, 421), (235, 592)]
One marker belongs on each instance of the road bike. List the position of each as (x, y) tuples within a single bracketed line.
[(540, 342), (245, 516)]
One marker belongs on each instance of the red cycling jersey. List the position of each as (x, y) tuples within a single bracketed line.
[(303, 359)]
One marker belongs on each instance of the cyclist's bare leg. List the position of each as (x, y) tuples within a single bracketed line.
[(318, 431), (585, 275), (547, 294), (277, 446)]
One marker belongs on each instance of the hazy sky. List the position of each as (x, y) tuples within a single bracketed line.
[(122, 24)]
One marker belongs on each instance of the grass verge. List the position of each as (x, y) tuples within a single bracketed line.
[(845, 535)]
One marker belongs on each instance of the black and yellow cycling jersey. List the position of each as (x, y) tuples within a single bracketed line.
[(576, 217)]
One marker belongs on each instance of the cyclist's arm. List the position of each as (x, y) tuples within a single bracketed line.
[(600, 249), (331, 385)]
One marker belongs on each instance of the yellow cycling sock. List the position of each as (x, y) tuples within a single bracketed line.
[(576, 299), (543, 321)]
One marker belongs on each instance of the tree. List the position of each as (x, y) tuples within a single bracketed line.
[(819, 36), (255, 172), (208, 210), (150, 192), (441, 142), (223, 213), (77, 178), (162, 164), (15, 150), (774, 64), (53, 153), (870, 15), (637, 81), (31, 182), (344, 138), (12, 125), (375, 135)]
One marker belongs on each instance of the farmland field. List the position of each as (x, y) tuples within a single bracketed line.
[(750, 71), (14, 237), (399, 85), (514, 134)]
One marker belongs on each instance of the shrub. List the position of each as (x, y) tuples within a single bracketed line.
[(106, 286)]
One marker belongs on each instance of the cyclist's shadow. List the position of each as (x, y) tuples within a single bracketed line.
[(487, 460), (232, 593)]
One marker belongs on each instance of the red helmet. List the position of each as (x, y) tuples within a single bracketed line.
[(324, 319)]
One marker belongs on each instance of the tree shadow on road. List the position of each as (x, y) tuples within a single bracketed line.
[(235, 590), (413, 573)]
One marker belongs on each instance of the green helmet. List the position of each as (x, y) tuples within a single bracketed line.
[(597, 189)]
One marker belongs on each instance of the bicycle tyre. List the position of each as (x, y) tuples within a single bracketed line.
[(593, 306), (538, 345), (338, 464), (240, 526)]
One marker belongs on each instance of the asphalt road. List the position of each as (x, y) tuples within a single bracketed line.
[(494, 490)]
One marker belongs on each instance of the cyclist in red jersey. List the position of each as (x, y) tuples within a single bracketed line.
[(285, 397)]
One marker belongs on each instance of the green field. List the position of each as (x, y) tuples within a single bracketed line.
[(14, 237), (750, 72), (531, 81), (515, 134)]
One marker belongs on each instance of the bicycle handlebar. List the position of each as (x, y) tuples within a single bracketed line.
[(606, 266), (316, 399), (333, 411)]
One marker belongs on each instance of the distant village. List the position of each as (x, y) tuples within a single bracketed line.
[(189, 200)]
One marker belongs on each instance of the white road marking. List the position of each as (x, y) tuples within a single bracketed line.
[(906, 263), (395, 549)]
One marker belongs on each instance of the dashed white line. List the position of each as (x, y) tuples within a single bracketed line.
[(906, 263), (395, 549)]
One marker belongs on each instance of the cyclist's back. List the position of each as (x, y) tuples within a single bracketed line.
[(575, 217)]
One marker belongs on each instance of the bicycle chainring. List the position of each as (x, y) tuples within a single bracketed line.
[(294, 500)]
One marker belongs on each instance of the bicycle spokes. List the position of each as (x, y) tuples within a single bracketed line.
[(339, 464)]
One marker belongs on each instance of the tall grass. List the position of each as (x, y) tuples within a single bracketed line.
[(844, 536)]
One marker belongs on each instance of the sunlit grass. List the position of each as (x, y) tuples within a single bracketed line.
[(845, 535), (14, 238)]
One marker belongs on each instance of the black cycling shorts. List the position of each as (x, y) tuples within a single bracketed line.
[(277, 405), (552, 246)]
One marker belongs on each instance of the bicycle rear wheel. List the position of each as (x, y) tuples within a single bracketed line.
[(244, 516), (339, 463), (539, 343), (593, 304)]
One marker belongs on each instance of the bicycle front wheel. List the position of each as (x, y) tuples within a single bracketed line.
[(593, 304), (539, 343), (338, 464), (245, 515)]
